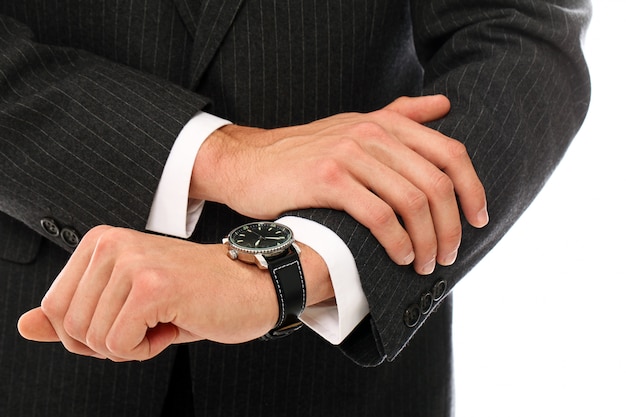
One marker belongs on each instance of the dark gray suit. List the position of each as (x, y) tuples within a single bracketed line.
[(93, 94)]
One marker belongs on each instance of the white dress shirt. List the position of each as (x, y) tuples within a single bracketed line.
[(174, 213)]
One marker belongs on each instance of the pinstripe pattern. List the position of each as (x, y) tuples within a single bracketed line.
[(83, 140)]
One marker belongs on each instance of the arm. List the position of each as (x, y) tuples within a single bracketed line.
[(82, 139), (115, 301), (519, 88)]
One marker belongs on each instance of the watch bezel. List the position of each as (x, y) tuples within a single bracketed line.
[(272, 251)]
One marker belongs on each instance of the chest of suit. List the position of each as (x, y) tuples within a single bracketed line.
[(262, 62)]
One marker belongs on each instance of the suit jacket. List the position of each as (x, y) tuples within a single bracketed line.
[(93, 94)]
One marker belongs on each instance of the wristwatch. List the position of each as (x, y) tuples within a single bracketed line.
[(271, 246)]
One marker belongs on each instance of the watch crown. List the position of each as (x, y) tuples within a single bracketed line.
[(233, 254)]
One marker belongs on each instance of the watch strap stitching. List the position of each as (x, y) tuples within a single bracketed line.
[(281, 317)]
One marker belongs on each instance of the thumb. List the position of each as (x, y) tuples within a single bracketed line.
[(34, 325), (421, 109)]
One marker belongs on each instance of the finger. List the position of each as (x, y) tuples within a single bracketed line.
[(80, 318), (380, 218), (428, 201), (155, 340), (452, 158), (103, 310), (422, 109), (34, 325), (58, 298), (448, 155), (413, 206), (373, 194), (139, 333)]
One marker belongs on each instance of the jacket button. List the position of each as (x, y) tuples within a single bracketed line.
[(49, 226), (70, 237), (439, 290), (426, 302), (412, 315)]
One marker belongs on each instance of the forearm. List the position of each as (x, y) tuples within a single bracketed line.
[(83, 140)]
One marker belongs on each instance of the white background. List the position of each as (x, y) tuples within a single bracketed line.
[(540, 324)]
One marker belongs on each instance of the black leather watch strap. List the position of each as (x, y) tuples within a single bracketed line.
[(286, 272)]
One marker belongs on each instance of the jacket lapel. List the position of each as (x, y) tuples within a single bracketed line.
[(215, 19)]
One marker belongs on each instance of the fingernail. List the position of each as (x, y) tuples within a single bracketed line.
[(408, 259), (450, 258), (483, 216), (428, 267)]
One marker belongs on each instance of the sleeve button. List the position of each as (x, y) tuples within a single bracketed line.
[(426, 302), (70, 237), (412, 315), (49, 226), (439, 290)]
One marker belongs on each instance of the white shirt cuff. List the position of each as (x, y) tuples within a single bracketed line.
[(335, 319), (173, 212)]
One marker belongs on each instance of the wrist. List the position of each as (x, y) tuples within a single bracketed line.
[(216, 165), (204, 185), (299, 275)]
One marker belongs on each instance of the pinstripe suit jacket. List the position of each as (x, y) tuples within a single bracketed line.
[(93, 93)]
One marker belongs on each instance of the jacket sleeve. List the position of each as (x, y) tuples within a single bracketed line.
[(82, 140), (519, 89)]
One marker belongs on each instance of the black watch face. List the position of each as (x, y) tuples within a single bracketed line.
[(261, 237)]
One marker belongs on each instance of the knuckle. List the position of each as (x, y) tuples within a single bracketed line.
[(399, 244), (94, 341), (456, 150), (149, 284), (116, 347), (94, 233), (330, 171), (115, 235), (51, 309), (416, 201), (369, 128), (441, 185), (452, 236), (99, 229), (381, 215), (108, 240), (74, 327), (346, 144), (111, 242)]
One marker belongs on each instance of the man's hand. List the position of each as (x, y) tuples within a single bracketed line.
[(373, 166), (126, 295)]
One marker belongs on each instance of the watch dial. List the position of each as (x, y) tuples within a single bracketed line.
[(261, 236)]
